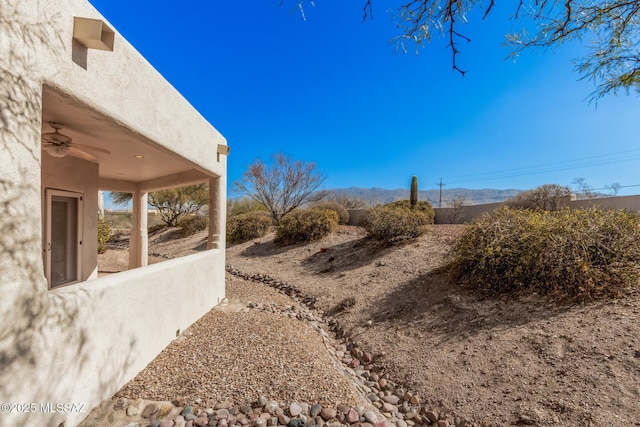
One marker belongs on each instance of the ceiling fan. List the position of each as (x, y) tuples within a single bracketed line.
[(59, 145)]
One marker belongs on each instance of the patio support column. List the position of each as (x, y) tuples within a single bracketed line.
[(213, 241), (139, 240)]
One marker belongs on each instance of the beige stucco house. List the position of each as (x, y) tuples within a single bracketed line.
[(69, 337)]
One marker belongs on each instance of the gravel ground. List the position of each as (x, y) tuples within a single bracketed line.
[(495, 362), (492, 361), (237, 355)]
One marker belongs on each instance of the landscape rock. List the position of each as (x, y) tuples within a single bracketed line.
[(328, 413), (295, 409), (353, 416), (370, 416), (392, 399), (135, 407), (315, 410)]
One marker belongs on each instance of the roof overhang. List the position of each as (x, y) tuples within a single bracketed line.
[(134, 160)]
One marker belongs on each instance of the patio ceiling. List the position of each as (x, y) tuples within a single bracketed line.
[(88, 127)]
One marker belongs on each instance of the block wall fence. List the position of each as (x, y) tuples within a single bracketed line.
[(468, 213)]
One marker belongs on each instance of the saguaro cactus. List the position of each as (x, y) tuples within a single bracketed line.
[(413, 198)]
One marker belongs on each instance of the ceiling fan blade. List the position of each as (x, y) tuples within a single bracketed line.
[(88, 147), (73, 151), (55, 137)]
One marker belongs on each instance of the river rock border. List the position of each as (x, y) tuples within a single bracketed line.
[(397, 403), (392, 404)]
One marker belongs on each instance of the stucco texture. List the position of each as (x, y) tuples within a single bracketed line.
[(79, 343)]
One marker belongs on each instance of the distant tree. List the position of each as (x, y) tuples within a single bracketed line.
[(243, 205), (348, 202), (282, 185), (611, 27), (172, 204), (584, 190), (614, 188), (120, 198), (456, 209), (548, 197)]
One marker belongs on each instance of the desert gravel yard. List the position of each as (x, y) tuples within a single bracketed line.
[(493, 362), (237, 354), (524, 361)]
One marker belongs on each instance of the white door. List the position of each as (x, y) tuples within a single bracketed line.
[(63, 237)]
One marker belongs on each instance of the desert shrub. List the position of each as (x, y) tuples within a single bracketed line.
[(549, 197), (305, 225), (349, 202), (569, 255), (191, 224), (423, 206), (247, 226), (242, 206), (156, 227), (393, 224), (343, 215), (104, 234)]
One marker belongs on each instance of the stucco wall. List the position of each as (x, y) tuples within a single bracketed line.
[(109, 81), (463, 214), (622, 202), (468, 213), (80, 343)]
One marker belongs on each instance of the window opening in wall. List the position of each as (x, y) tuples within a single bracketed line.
[(63, 234)]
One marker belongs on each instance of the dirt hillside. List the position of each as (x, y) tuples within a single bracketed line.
[(495, 361), (492, 362)]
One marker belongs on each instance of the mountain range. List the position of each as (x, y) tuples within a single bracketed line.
[(373, 196)]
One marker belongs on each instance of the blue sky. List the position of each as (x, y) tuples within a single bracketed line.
[(329, 89)]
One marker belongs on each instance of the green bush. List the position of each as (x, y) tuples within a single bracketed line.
[(191, 224), (423, 206), (569, 255), (343, 215), (104, 234), (247, 226), (305, 225), (393, 224)]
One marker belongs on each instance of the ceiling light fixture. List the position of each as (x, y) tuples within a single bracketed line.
[(139, 156), (57, 150)]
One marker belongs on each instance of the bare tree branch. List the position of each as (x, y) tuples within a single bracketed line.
[(282, 186)]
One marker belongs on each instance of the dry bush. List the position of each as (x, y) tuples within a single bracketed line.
[(569, 255), (247, 226), (156, 227), (104, 234), (243, 205), (191, 224), (305, 225), (549, 197), (394, 224), (343, 215), (423, 206)]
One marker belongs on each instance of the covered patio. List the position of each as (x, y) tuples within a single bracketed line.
[(126, 162), (69, 336)]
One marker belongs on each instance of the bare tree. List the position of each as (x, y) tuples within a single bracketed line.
[(611, 28), (456, 209), (584, 190), (349, 202), (614, 188), (548, 197), (281, 186)]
